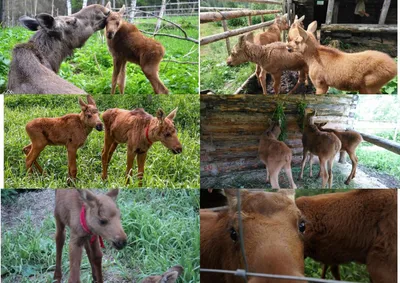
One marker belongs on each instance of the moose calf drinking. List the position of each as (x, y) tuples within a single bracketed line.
[(90, 218), (35, 64), (70, 130), (139, 130), (127, 44)]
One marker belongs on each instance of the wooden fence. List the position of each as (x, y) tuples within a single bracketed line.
[(172, 9)]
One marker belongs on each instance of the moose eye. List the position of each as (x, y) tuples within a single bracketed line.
[(167, 135), (103, 222), (302, 226), (233, 233)]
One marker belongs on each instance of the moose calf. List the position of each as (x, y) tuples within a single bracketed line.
[(70, 130), (275, 155), (355, 226), (139, 130), (365, 72), (90, 218), (127, 44), (170, 276)]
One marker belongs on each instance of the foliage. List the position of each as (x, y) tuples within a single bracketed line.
[(163, 169), (91, 66), (162, 228), (8, 196), (279, 115), (301, 110)]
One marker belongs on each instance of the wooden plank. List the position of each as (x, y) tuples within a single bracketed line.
[(359, 28), (329, 12), (381, 142), (256, 1), (384, 11), (221, 8), (219, 16), (230, 33)]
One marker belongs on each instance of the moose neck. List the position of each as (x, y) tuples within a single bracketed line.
[(256, 53), (148, 135), (87, 128)]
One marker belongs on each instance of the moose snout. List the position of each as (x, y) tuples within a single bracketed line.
[(289, 48), (99, 127), (120, 244), (229, 62), (110, 35), (177, 150)]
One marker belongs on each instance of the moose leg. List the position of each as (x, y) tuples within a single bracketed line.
[(33, 155), (311, 163), (151, 73), (303, 163), (324, 270), (257, 73), (277, 82), (72, 170), (105, 159), (129, 162), (324, 174), (330, 174), (113, 147), (26, 150), (117, 67), (335, 272), (274, 174), (75, 258), (354, 161), (122, 77), (60, 240), (288, 170), (95, 257), (141, 159), (266, 167), (263, 80)]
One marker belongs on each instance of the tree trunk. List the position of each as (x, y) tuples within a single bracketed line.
[(84, 3), (132, 13), (163, 6), (52, 8), (69, 12), (35, 11), (113, 4)]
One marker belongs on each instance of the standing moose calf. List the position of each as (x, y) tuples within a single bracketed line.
[(90, 218), (70, 130), (139, 130), (127, 44)]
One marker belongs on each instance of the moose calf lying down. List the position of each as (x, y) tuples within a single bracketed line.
[(365, 72), (127, 44), (272, 225), (35, 64), (90, 218), (275, 155), (70, 130), (170, 276), (359, 226), (139, 130)]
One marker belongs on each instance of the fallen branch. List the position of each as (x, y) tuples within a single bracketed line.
[(171, 35), (181, 62)]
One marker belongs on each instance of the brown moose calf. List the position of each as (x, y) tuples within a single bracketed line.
[(70, 130), (169, 276), (356, 226), (127, 44), (90, 218), (139, 130)]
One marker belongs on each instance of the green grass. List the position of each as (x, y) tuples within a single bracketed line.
[(162, 170), (95, 77), (162, 228)]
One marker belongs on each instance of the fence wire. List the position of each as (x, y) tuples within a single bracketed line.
[(244, 273)]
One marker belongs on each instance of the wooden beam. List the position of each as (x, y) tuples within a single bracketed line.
[(228, 43), (256, 1), (219, 16), (230, 33), (221, 9), (385, 9), (329, 12), (381, 142), (359, 28)]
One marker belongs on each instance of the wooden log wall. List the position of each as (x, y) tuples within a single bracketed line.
[(232, 124)]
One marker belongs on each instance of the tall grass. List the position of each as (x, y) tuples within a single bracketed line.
[(162, 228), (162, 170)]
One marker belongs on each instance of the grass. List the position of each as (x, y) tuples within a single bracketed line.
[(162, 228), (163, 169), (90, 68)]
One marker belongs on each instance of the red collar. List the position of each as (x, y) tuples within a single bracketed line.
[(147, 136), (86, 228)]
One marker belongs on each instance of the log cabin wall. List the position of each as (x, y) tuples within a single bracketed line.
[(232, 124)]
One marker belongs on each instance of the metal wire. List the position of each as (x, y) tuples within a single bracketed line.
[(241, 234), (239, 272)]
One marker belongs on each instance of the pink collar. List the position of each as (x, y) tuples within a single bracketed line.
[(86, 228), (147, 136)]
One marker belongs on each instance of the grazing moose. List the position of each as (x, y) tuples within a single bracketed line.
[(350, 140), (139, 130), (170, 276), (70, 130), (275, 155), (355, 226), (90, 218), (127, 44), (35, 64), (323, 144), (365, 72), (272, 225)]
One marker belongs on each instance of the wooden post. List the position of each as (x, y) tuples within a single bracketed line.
[(206, 17), (385, 9), (381, 142), (249, 20), (262, 20), (228, 43), (163, 6), (329, 12), (335, 12)]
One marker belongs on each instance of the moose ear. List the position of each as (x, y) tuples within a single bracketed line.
[(160, 115), (46, 21), (122, 10), (108, 5), (113, 194), (290, 193), (231, 196), (172, 115), (250, 37), (303, 33), (312, 27), (87, 197), (241, 40), (83, 104), (29, 23), (177, 268), (90, 100), (302, 18)]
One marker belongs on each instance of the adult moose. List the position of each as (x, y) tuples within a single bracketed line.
[(90, 218), (70, 130), (139, 130), (272, 227), (35, 64)]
